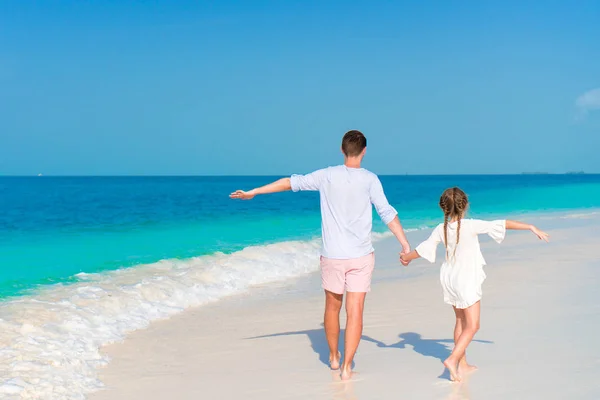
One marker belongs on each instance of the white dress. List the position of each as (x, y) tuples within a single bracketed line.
[(462, 273)]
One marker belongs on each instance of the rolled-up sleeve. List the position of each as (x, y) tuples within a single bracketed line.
[(384, 209), (310, 181)]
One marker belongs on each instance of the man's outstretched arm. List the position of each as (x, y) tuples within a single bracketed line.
[(296, 183), (281, 185)]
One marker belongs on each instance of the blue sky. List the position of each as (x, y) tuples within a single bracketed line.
[(269, 87)]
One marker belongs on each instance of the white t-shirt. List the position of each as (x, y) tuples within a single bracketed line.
[(346, 211)]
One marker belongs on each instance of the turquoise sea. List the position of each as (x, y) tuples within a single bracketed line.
[(84, 260), (51, 229)]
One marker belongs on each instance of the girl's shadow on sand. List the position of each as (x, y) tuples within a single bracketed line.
[(435, 348)]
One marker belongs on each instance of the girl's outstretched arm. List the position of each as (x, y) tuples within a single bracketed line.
[(516, 225)]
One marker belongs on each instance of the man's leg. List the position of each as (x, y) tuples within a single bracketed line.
[(355, 303), (333, 305), (358, 283)]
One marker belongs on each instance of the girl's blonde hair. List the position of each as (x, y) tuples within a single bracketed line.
[(454, 203)]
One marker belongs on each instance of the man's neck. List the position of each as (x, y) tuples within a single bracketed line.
[(352, 162)]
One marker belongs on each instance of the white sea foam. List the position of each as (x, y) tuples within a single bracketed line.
[(581, 215), (50, 341)]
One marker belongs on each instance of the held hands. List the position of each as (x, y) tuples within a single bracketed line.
[(540, 234), (240, 194), (403, 259), (403, 254)]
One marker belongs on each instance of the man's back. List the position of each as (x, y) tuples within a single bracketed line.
[(346, 198)]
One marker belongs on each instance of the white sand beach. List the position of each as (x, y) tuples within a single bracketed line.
[(538, 338)]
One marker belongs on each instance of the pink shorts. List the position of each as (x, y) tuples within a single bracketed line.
[(352, 275)]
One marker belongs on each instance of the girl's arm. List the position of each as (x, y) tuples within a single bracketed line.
[(426, 249), (516, 225), (408, 257)]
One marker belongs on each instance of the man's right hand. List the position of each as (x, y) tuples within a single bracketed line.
[(241, 195)]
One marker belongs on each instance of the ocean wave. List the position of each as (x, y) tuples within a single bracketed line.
[(51, 340), (585, 215)]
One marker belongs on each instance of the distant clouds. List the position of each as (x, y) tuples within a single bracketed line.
[(589, 101)]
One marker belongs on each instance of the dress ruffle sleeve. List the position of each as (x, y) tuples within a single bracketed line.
[(498, 230), (495, 229), (428, 248)]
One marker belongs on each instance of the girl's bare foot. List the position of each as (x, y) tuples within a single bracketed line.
[(464, 368), (452, 367), (346, 373), (334, 362)]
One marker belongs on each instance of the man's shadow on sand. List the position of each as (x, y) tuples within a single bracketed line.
[(317, 339), (436, 348)]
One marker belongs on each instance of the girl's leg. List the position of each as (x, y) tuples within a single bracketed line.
[(461, 323), (458, 327), (469, 328)]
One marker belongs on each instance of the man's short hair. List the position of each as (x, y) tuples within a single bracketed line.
[(353, 143)]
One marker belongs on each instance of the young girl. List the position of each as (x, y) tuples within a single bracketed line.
[(462, 273)]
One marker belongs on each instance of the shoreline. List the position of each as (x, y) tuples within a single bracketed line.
[(379, 233), (199, 351)]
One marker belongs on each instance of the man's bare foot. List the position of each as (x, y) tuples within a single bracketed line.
[(346, 373), (464, 368), (334, 362), (452, 367)]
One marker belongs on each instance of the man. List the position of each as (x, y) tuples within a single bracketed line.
[(347, 258)]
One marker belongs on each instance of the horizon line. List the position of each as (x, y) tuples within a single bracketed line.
[(276, 175)]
